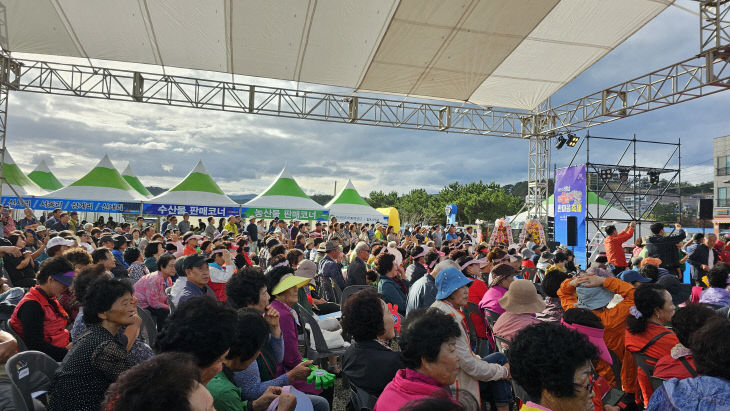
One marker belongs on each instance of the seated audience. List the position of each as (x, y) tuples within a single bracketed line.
[(587, 323), (633, 277), (472, 269), (369, 363), (520, 303), (133, 257), (558, 375), (21, 269), (391, 291), (501, 276), (250, 335), (220, 257), (100, 355), (150, 289), (595, 293), (152, 251), (679, 362), (718, 293), (39, 319), (553, 311), (453, 291), (646, 331), (428, 348), (169, 381), (138, 349), (247, 289), (282, 285), (202, 327), (423, 292), (710, 391), (197, 274)]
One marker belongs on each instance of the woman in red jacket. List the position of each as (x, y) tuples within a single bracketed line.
[(646, 332), (39, 319)]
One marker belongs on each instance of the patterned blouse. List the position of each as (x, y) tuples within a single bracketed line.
[(137, 270), (92, 364)]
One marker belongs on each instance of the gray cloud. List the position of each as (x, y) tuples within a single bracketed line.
[(244, 153)]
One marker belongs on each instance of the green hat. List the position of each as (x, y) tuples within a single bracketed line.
[(288, 281)]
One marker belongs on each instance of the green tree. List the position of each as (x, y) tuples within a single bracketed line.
[(378, 199), (413, 207), (321, 199)]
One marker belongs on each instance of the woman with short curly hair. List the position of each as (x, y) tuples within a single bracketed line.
[(369, 363), (557, 372), (428, 348)]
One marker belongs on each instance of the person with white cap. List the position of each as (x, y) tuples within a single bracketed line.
[(452, 295)]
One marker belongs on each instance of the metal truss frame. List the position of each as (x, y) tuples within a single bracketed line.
[(596, 215), (698, 76)]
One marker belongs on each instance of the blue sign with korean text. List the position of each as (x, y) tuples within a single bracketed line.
[(72, 205), (570, 200), (180, 209)]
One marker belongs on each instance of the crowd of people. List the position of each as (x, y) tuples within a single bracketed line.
[(216, 315)]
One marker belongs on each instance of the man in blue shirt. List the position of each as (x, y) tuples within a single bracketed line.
[(197, 274), (451, 236)]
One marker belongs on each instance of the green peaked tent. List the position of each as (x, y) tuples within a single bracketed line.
[(133, 181), (20, 182), (284, 199), (45, 179), (197, 188), (102, 183), (347, 205)]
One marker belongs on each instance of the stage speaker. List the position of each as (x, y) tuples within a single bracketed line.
[(572, 228), (704, 209)]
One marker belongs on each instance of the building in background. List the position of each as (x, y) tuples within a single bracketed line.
[(721, 156)]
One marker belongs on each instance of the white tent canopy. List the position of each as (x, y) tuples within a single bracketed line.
[(102, 183), (284, 199), (23, 185), (347, 205), (503, 53), (197, 188)]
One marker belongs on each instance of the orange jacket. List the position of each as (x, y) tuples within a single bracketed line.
[(663, 346), (614, 322), (614, 250)]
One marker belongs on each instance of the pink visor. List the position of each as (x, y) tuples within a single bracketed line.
[(595, 336)]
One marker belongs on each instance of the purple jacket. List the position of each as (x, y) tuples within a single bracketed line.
[(288, 321)]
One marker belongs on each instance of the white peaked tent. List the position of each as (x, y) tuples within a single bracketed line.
[(20, 182), (284, 199), (480, 52), (44, 177), (196, 189), (133, 181), (347, 205), (102, 183)]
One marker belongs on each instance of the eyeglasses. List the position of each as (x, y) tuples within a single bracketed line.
[(591, 379)]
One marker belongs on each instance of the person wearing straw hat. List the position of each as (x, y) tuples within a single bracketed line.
[(283, 286), (502, 276), (452, 294), (521, 302)]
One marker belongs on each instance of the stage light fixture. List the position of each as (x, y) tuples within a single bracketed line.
[(561, 142), (606, 173), (654, 178), (623, 175), (572, 140)]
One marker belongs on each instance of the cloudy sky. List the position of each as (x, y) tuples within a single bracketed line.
[(244, 153)]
